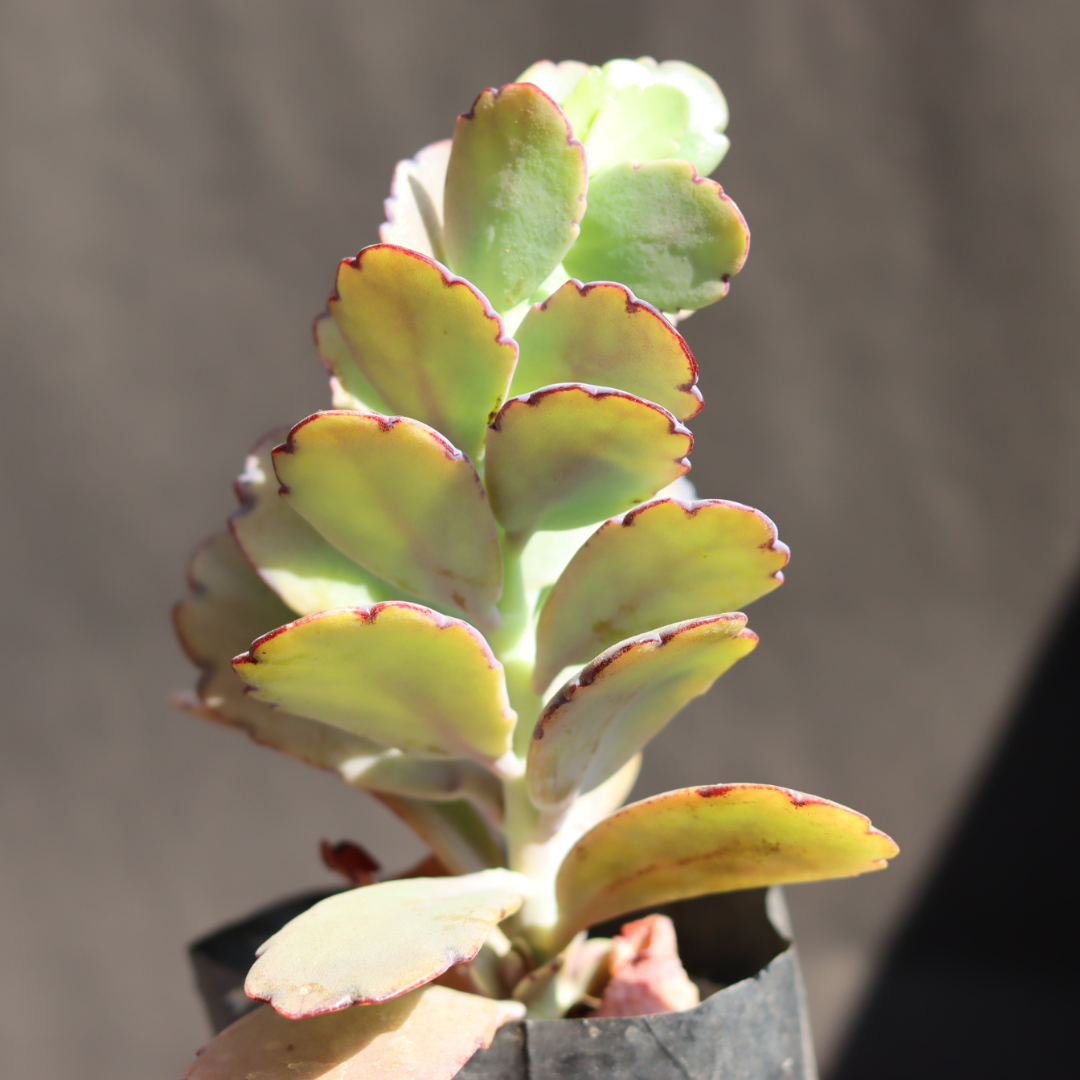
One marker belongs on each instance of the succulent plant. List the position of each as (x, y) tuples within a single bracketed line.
[(479, 584)]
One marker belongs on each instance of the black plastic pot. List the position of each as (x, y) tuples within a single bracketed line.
[(751, 1024)]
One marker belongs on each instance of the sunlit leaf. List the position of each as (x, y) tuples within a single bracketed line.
[(556, 80), (603, 335), (378, 942), (704, 144), (399, 674), (427, 1034), (604, 716), (228, 608), (303, 568), (515, 193), (707, 840), (344, 371), (663, 563), (427, 341), (640, 123), (414, 208), (396, 497), (672, 237), (565, 456)]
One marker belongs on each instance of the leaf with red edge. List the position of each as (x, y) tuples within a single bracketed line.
[(429, 1033), (515, 193), (400, 500), (427, 341), (603, 335), (372, 944), (673, 237), (707, 840), (624, 698), (399, 674), (665, 562), (300, 565), (569, 455)]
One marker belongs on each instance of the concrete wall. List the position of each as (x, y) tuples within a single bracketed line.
[(893, 379)]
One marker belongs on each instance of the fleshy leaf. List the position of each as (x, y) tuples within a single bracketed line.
[(427, 341), (347, 474), (375, 943), (704, 144), (429, 1033), (602, 334), (556, 80), (229, 606), (303, 568), (515, 193), (662, 563), (603, 717), (641, 123), (414, 208), (334, 353), (399, 674), (568, 455), (671, 236), (708, 840)]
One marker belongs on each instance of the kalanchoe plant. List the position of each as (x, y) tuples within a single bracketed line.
[(479, 585)]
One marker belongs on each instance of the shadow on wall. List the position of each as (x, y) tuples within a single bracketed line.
[(981, 982)]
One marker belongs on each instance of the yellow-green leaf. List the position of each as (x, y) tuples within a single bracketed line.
[(569, 455), (602, 334), (427, 341), (429, 1033), (399, 674), (414, 208), (603, 717), (339, 361), (303, 568), (397, 498), (515, 193), (662, 563), (671, 236), (378, 942), (708, 840)]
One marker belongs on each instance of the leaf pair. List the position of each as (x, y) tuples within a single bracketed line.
[(509, 207), (373, 944), (230, 606)]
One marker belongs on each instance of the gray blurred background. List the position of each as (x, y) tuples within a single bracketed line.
[(893, 379)]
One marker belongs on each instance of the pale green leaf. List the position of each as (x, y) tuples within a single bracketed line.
[(429, 1033), (704, 144), (662, 563), (414, 210), (399, 674), (397, 498), (603, 717), (556, 80), (303, 568), (603, 335), (707, 840), (568, 455), (378, 942), (671, 236), (427, 341), (640, 123), (515, 193), (349, 386)]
